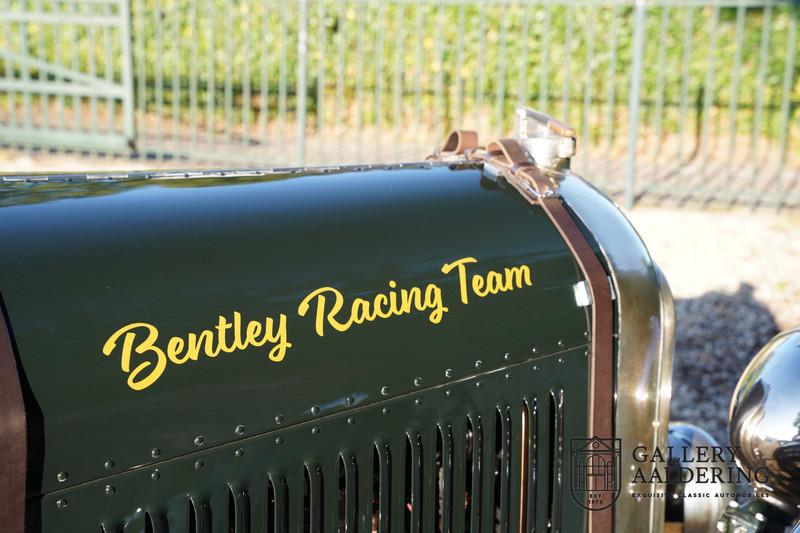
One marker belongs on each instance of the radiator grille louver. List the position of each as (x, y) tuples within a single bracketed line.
[(434, 486), (455, 467)]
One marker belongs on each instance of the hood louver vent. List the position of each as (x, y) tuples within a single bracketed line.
[(440, 496), (455, 467)]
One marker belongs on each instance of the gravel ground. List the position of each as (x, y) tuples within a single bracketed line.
[(736, 280)]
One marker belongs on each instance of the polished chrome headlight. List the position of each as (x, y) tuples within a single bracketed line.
[(765, 421)]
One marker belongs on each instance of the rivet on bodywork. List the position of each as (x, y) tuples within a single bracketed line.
[(198, 465), (279, 419), (448, 373), (279, 440), (62, 477), (199, 440), (508, 376), (239, 452), (156, 475), (348, 401), (385, 390), (314, 410), (448, 393), (351, 420), (535, 368), (507, 356), (418, 401), (560, 359), (417, 382), (314, 430), (155, 453), (61, 503), (560, 343), (239, 430), (385, 410), (534, 350), (109, 464), (478, 384), (478, 363), (110, 490)]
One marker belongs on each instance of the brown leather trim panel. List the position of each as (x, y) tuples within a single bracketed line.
[(534, 186), (13, 444)]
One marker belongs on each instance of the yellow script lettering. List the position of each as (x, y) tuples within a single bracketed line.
[(492, 283), (212, 342), (145, 347), (462, 275), (396, 302)]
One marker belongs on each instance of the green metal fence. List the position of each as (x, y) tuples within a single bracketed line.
[(688, 100), (67, 76)]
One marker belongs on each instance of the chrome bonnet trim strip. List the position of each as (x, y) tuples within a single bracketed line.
[(645, 346)]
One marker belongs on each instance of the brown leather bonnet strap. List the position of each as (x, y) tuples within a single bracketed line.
[(523, 174), (457, 143), (519, 170), (526, 177), (13, 444)]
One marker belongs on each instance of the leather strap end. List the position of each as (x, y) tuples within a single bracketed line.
[(516, 167), (459, 141)]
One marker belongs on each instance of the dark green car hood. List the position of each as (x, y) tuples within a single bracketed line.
[(82, 260)]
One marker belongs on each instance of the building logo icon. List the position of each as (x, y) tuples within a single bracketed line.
[(595, 477)]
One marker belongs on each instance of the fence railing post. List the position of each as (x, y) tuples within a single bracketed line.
[(302, 65), (126, 38), (788, 80), (634, 100)]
